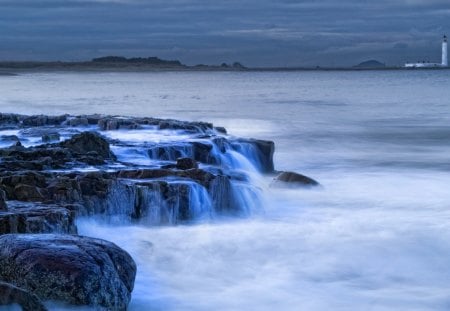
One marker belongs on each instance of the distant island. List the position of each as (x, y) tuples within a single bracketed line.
[(112, 63), (370, 64)]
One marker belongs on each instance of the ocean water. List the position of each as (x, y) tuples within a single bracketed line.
[(375, 236)]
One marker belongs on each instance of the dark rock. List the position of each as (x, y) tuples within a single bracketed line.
[(78, 121), (201, 176), (10, 294), (111, 123), (8, 119), (203, 152), (29, 193), (220, 129), (264, 152), (42, 120), (29, 186), (295, 179), (50, 137), (88, 141), (186, 163), (10, 139), (222, 143), (186, 126), (34, 158), (72, 269), (93, 119), (170, 152), (36, 218), (3, 205)]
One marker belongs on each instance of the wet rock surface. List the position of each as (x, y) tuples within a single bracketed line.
[(10, 294), (131, 170), (294, 179), (20, 217), (73, 269), (55, 173)]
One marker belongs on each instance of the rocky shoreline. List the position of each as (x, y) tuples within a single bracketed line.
[(122, 170), (54, 169)]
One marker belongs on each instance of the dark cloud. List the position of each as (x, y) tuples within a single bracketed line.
[(255, 32)]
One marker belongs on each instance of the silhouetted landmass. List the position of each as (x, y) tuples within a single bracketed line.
[(113, 63), (370, 64), (137, 60), (143, 64)]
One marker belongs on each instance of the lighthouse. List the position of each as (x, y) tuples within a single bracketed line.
[(444, 52), (443, 63)]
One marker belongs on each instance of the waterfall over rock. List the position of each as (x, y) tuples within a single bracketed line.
[(135, 170)]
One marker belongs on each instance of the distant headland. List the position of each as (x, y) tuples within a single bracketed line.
[(113, 63), (144, 64)]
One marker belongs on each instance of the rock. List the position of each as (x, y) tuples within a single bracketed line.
[(78, 121), (10, 181), (221, 129), (28, 193), (86, 142), (198, 175), (71, 269), (295, 179), (186, 163), (3, 205), (9, 139), (186, 126), (42, 120), (265, 153), (170, 152), (109, 124), (10, 294), (8, 119), (23, 217), (203, 152), (35, 158), (50, 137)]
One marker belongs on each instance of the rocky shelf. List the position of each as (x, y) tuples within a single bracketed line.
[(55, 169)]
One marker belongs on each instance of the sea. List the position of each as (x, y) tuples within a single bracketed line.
[(374, 236)]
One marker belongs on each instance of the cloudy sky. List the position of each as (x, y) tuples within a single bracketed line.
[(254, 32)]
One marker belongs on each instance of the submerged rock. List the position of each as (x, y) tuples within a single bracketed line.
[(72, 269), (295, 179), (10, 294)]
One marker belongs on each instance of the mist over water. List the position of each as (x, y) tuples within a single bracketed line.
[(376, 236)]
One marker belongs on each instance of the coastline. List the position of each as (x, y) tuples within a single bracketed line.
[(14, 68)]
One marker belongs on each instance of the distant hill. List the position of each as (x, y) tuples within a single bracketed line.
[(137, 60), (370, 64)]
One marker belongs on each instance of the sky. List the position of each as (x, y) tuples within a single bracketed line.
[(257, 33)]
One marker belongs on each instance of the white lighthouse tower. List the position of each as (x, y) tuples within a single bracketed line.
[(444, 52)]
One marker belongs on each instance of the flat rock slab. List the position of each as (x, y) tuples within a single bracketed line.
[(67, 268), (22, 217)]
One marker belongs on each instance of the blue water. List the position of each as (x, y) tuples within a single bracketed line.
[(375, 237)]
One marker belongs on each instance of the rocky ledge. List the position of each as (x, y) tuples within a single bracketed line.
[(55, 169)]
